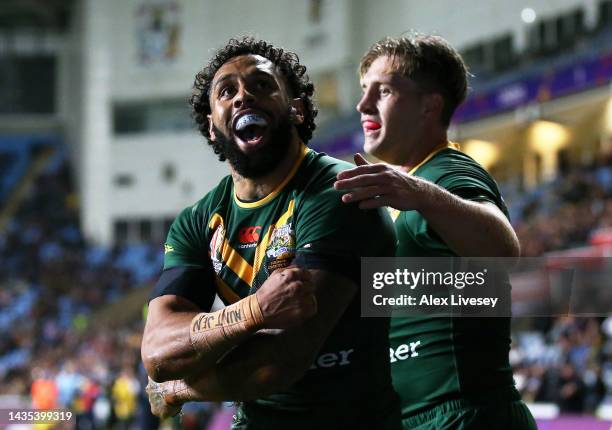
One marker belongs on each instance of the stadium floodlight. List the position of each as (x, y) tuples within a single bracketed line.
[(486, 153), (528, 15), (608, 118), (548, 136)]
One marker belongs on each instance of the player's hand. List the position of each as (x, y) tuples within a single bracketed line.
[(377, 185), (157, 398), (287, 298)]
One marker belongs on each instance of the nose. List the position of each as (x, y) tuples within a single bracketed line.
[(243, 97), (366, 104)]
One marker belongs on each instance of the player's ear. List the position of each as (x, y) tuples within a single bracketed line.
[(211, 129), (296, 113)]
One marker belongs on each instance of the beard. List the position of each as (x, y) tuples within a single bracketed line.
[(262, 160)]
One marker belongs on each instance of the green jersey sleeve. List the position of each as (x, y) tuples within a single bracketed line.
[(343, 227), (334, 235), (460, 175), (188, 271), (471, 185), (464, 177), (186, 244)]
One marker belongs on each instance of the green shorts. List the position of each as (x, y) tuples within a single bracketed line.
[(343, 416), (511, 414)]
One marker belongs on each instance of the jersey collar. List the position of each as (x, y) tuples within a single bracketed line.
[(394, 213), (249, 205), (442, 147)]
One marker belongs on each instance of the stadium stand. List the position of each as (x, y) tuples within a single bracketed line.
[(566, 361), (53, 283), (583, 195)]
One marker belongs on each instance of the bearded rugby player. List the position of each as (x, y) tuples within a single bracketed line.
[(276, 243), (452, 372)]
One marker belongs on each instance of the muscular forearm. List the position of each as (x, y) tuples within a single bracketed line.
[(258, 367), (470, 229), (179, 341), (269, 360), (186, 342)]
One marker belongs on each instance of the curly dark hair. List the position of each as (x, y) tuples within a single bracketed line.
[(288, 64), (428, 60)]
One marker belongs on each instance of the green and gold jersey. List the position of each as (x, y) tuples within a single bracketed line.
[(239, 244), (434, 359)]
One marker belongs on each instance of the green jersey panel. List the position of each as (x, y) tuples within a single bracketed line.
[(304, 222), (434, 359), (183, 248)]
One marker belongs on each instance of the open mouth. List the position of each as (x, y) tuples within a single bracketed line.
[(251, 128)]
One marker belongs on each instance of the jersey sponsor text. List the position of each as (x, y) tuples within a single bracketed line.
[(404, 351), (332, 359)]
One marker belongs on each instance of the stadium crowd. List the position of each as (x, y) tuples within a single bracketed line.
[(563, 213), (53, 281), (565, 360)]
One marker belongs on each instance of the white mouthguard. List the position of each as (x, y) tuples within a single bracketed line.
[(250, 119)]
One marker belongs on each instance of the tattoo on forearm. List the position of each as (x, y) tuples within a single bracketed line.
[(220, 330), (208, 321)]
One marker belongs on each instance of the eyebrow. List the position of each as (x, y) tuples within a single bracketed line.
[(370, 83), (393, 80), (229, 76), (221, 80), (262, 74)]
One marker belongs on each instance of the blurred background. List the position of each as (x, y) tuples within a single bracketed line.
[(98, 154)]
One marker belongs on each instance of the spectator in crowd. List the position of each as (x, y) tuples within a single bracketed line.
[(125, 392)]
